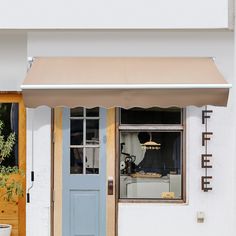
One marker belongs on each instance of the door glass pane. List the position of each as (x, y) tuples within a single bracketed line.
[(93, 112), (76, 134), (76, 160), (154, 115), (77, 112), (92, 160), (92, 132)]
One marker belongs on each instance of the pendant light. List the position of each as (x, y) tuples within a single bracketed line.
[(151, 145)]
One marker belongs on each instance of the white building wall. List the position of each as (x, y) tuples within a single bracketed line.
[(169, 219), (13, 60), (107, 14), (38, 160)]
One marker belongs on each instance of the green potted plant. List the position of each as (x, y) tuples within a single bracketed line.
[(10, 181)]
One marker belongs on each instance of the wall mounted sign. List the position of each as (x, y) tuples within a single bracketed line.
[(206, 157)]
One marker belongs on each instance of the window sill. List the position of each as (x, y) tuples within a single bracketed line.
[(162, 201)]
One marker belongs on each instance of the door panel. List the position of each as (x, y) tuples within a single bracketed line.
[(84, 213), (83, 183)]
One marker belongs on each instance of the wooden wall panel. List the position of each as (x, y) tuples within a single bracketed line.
[(8, 210), (15, 213), (9, 215)]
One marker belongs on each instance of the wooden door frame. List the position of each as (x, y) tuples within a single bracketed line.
[(111, 200), (57, 171), (112, 203), (16, 97)]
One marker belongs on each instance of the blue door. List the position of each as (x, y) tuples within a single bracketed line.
[(84, 172)]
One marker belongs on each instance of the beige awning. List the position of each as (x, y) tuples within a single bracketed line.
[(124, 82)]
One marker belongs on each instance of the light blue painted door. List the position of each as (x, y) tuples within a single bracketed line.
[(84, 172)]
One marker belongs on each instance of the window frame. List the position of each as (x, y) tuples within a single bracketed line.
[(146, 127)]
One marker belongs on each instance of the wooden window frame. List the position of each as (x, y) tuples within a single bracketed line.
[(16, 97), (120, 127)]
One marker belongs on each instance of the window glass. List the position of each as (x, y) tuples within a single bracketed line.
[(9, 118), (92, 160), (76, 128), (77, 112), (92, 132), (93, 112), (151, 116), (76, 161)]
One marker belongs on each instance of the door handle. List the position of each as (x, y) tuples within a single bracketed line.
[(110, 186)]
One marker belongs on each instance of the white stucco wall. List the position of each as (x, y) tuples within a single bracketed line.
[(13, 60), (39, 161), (13, 67), (135, 219), (106, 14), (169, 219)]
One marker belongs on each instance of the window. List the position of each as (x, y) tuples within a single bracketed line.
[(84, 141), (9, 118), (151, 154)]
